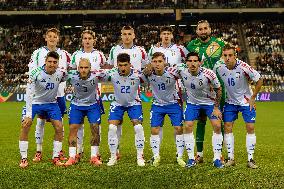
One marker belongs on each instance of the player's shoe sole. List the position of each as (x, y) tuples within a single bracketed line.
[(95, 161), (218, 164), (79, 157), (155, 161), (24, 163), (61, 156), (190, 163), (112, 161), (38, 157), (199, 159), (251, 164), (229, 163), (71, 161), (56, 161), (140, 162)]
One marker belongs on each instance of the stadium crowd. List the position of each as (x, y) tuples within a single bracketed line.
[(133, 4), (264, 36)]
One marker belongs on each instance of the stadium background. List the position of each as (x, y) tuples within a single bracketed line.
[(256, 28)]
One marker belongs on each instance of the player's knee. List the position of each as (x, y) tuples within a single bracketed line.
[(136, 122), (155, 130), (139, 129), (178, 130), (228, 127), (250, 128), (112, 130), (216, 127)]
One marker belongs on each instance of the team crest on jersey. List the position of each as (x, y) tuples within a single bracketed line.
[(200, 82), (168, 80), (132, 82), (212, 48), (185, 78), (93, 82), (153, 79), (57, 79), (173, 52), (77, 84), (238, 75), (95, 59), (134, 55), (117, 82)]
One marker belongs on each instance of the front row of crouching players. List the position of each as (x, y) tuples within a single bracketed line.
[(203, 94)]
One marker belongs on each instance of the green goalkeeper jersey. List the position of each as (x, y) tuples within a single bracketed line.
[(209, 52)]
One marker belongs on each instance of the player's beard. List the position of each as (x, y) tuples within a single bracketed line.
[(204, 38)]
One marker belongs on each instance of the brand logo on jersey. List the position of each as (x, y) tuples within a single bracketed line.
[(185, 78), (154, 80), (132, 82), (117, 82), (253, 119), (43, 80), (134, 55), (77, 84), (224, 74)]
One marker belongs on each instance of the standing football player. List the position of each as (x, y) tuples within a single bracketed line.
[(41, 100), (209, 48), (97, 60), (165, 102), (138, 59), (37, 60), (84, 103), (126, 82), (237, 76)]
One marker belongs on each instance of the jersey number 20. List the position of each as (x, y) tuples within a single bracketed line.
[(49, 86)]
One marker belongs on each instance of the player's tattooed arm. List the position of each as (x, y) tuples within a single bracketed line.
[(216, 111), (218, 92)]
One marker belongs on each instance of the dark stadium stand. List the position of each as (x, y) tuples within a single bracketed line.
[(134, 4)]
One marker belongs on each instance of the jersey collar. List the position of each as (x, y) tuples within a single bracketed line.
[(46, 48), (86, 52), (132, 47)]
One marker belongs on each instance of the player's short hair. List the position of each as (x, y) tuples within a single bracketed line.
[(157, 54), (193, 54), (229, 46), (166, 28), (54, 30), (85, 60), (92, 33), (52, 54), (202, 22), (123, 57), (127, 28)]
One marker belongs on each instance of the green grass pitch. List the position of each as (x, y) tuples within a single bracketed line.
[(269, 156)]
